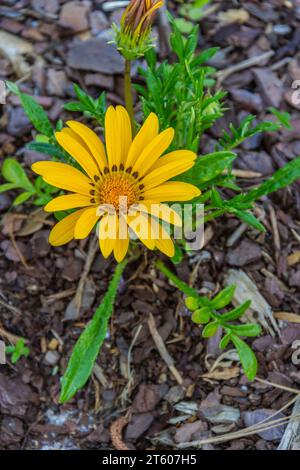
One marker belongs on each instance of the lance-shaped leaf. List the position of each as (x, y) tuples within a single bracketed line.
[(86, 350)]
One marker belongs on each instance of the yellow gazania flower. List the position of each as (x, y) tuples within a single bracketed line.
[(132, 169)]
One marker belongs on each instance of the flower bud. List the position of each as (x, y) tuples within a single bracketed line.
[(133, 37)]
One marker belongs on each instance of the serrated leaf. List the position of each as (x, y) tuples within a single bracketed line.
[(249, 219), (85, 352), (208, 167), (34, 111), (283, 117), (47, 149), (280, 179)]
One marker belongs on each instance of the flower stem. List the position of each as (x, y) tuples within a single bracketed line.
[(128, 93)]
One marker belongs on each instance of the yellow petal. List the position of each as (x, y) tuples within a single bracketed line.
[(166, 247), (125, 134), (161, 211), (107, 234), (112, 137), (92, 141), (167, 167), (73, 181), (172, 191), (120, 249), (75, 136), (146, 134), (86, 223), (178, 156), (63, 231), (70, 201), (41, 168), (78, 152), (153, 151), (140, 225)]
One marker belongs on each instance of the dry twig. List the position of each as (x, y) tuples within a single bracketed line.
[(163, 350)]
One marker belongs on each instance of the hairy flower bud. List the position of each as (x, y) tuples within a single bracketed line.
[(133, 37)]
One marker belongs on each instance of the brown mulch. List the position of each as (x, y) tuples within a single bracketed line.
[(144, 404)]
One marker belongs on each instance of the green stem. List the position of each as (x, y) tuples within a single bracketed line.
[(128, 93), (181, 285)]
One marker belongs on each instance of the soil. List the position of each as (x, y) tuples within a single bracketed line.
[(38, 283)]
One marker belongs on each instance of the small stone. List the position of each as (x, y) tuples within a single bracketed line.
[(246, 252), (138, 425), (5, 202), (216, 413), (72, 269), (282, 29), (51, 358), (57, 82), (95, 55), (99, 80), (249, 101), (147, 398), (74, 15), (190, 431), (18, 122), (254, 417), (270, 86), (11, 430), (49, 6), (98, 22), (220, 414), (175, 394)]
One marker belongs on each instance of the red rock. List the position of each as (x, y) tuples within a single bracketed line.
[(74, 15)]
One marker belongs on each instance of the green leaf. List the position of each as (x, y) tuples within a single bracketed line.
[(181, 285), (224, 341), (177, 258), (7, 187), (201, 316), (85, 352), (210, 330), (47, 149), (249, 219), (247, 357), (184, 26), (223, 298), (283, 116), (35, 113), (208, 167), (191, 303), (204, 56), (248, 329), (280, 179), (237, 312), (23, 197), (13, 172)]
